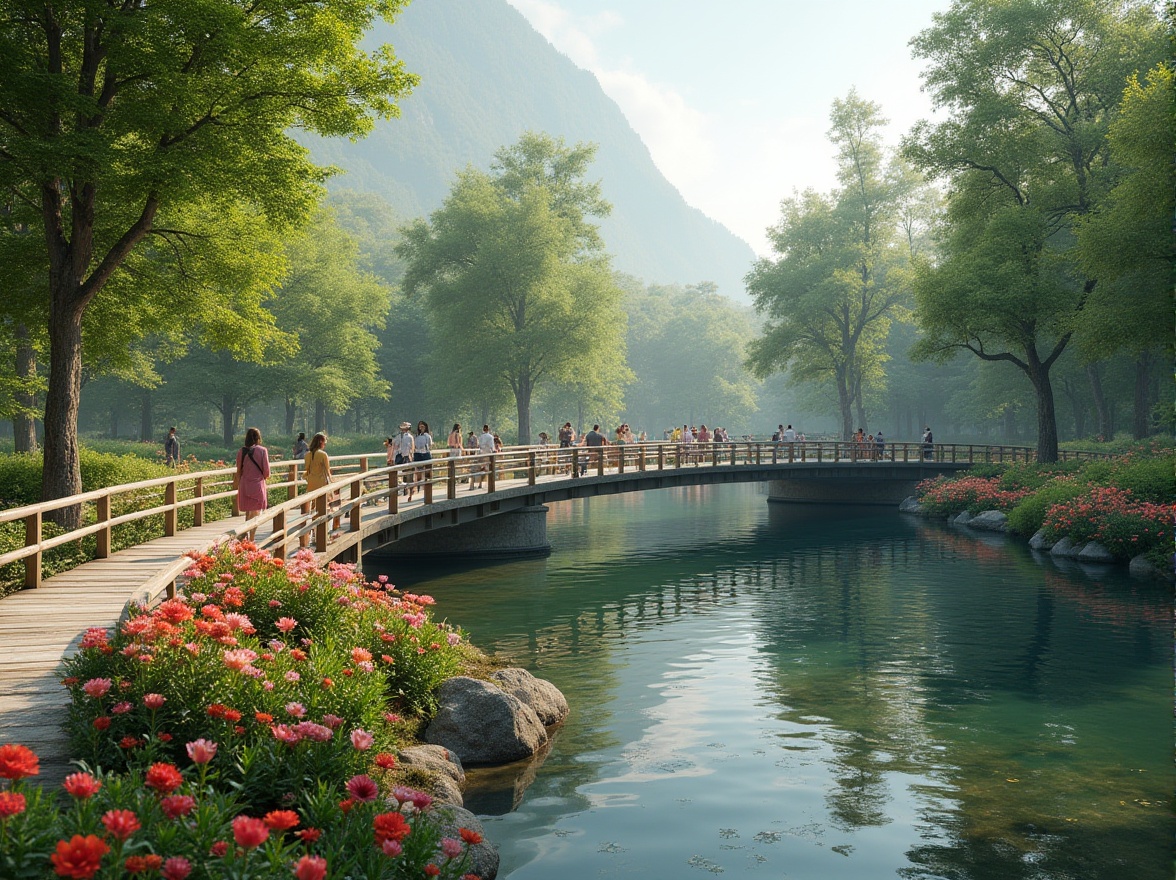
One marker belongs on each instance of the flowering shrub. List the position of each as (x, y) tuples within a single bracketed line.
[(1114, 518), (178, 824), (291, 669), (944, 496)]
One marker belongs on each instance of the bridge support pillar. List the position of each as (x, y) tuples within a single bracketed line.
[(869, 483), (511, 534)]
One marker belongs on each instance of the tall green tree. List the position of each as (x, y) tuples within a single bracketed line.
[(836, 282), (1030, 89), (513, 273), (115, 115), (1127, 241)]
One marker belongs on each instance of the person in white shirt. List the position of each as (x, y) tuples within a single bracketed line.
[(485, 447), (789, 435)]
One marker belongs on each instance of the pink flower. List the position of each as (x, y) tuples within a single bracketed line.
[(313, 732), (363, 788), (285, 624), (201, 751), (392, 848), (332, 721), (154, 701), (292, 676), (177, 805), (121, 708), (239, 658), (176, 868), (361, 739), (97, 687), (295, 710), (81, 785), (452, 848), (284, 734)]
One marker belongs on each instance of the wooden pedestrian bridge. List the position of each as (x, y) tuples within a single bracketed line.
[(479, 504)]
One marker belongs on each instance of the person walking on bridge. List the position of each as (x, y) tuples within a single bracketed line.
[(253, 469), (403, 455), (171, 448), (593, 440), (485, 448)]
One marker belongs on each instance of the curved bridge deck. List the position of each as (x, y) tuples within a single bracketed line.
[(43, 623)]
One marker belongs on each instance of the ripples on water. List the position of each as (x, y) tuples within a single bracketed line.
[(790, 691)]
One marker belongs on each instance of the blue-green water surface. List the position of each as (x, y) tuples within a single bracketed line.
[(770, 690)]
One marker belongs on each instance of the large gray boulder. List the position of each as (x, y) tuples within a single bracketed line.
[(545, 698), (1039, 541), (483, 857), (1063, 548), (483, 724), (1095, 552), (435, 759), (989, 521), (1141, 566), (961, 519), (910, 504)]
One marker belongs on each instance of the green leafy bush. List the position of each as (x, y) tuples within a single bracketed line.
[(1027, 517)]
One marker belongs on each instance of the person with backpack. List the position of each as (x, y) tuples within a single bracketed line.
[(253, 469)]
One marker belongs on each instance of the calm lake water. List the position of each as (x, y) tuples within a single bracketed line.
[(771, 690)]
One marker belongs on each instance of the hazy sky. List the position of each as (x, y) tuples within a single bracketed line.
[(732, 98)]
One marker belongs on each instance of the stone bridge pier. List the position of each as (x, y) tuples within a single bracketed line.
[(870, 483), (515, 533)]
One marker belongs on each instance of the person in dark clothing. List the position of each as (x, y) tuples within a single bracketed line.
[(171, 447), (593, 439)]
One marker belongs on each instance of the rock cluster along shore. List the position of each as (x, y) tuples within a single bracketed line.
[(492, 722), (1089, 552)]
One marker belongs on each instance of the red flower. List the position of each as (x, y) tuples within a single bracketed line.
[(390, 826), (346, 805), (176, 868), (129, 742), (232, 715), (249, 833), (385, 761), (432, 870), (120, 823), (217, 710), (12, 803), (177, 805), (281, 820), (308, 835), (81, 785), (164, 778), (79, 857), (143, 864), (263, 717), (473, 838), (17, 762), (102, 722), (218, 849), (154, 701), (310, 868)]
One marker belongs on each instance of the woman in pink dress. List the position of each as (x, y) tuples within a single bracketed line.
[(253, 469)]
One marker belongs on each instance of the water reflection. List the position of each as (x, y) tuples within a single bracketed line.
[(825, 692)]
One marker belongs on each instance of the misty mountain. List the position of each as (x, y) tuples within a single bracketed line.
[(486, 77)]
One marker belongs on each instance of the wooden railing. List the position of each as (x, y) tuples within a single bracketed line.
[(366, 479)]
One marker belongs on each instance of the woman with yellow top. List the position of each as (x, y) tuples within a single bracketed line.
[(318, 474)]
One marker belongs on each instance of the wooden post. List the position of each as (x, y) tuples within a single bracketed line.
[(197, 508), (661, 458), (791, 453), (620, 459), (491, 470), (451, 479), (758, 449), (170, 519), (531, 459), (641, 459), (103, 536), (279, 528), (291, 480), (320, 529), (714, 454), (600, 461), (32, 538), (357, 495), (428, 475), (393, 490)]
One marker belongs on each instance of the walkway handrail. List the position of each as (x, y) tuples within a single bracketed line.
[(305, 515)]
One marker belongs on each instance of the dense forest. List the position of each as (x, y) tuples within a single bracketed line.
[(1003, 274)]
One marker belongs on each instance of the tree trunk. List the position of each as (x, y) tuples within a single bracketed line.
[(1141, 423), (61, 476), (228, 409), (146, 417), (320, 417), (861, 413), (24, 422), (845, 404), (291, 413), (523, 390), (1106, 428), (1047, 424), (114, 422)]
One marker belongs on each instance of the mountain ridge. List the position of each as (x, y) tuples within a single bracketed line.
[(486, 77)]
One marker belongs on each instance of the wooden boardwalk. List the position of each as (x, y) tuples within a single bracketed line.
[(38, 628)]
